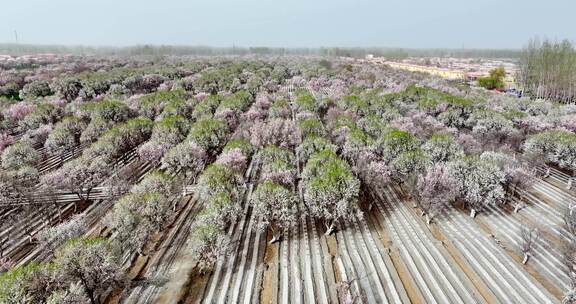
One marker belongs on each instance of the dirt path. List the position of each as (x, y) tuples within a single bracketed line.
[(406, 280), (269, 292)]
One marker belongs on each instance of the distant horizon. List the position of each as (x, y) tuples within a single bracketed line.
[(14, 49), (413, 24), (251, 46)]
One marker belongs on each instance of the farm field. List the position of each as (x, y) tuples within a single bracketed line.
[(291, 179)]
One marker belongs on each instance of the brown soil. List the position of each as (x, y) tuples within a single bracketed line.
[(373, 223), (135, 271), (543, 197), (138, 266), (554, 290), (114, 297), (518, 258), (332, 245), (337, 274), (484, 226), (407, 281), (461, 261), (268, 293), (436, 232), (545, 233), (194, 288)]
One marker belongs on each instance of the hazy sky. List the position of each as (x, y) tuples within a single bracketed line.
[(292, 23)]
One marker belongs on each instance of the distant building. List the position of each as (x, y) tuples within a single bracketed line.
[(369, 56)]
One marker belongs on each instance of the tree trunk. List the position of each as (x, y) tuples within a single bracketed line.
[(330, 228), (91, 296), (88, 194), (276, 236), (526, 257), (473, 213), (59, 213)]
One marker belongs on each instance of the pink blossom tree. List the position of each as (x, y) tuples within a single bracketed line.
[(277, 207), (5, 141), (436, 189), (187, 157), (19, 110), (233, 159), (278, 132)]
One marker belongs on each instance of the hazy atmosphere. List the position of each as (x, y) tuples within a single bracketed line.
[(315, 152), (299, 23)]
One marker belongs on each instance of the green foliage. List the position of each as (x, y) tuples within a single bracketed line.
[(217, 178), (44, 113), (311, 126), (111, 110), (494, 81), (442, 147), (306, 103), (208, 133), (395, 142), (325, 64), (373, 125), (239, 101), (280, 108), (273, 153), (120, 139), (242, 144), (330, 188), (171, 129), (151, 105), (353, 103), (557, 146), (207, 106), (27, 284), (19, 155), (313, 144), (427, 97)]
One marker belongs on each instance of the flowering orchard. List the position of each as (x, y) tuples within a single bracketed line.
[(113, 175)]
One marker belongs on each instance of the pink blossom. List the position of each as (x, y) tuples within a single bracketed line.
[(152, 151), (284, 177), (305, 115), (254, 115), (233, 159), (262, 102), (19, 110), (279, 132), (469, 143), (201, 96), (229, 116), (569, 122), (5, 141)]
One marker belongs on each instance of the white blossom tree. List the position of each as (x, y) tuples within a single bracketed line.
[(479, 182), (436, 189), (330, 189), (92, 263), (276, 206), (442, 147)]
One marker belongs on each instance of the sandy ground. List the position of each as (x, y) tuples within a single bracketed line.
[(268, 293)]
